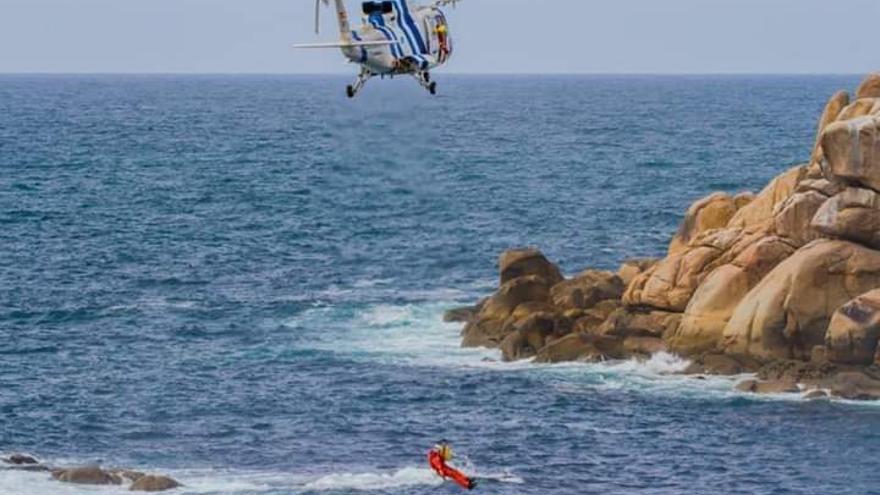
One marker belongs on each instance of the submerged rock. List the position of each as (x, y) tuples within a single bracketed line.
[(463, 314), (154, 483), (768, 387), (716, 364), (20, 460), (574, 347), (87, 476)]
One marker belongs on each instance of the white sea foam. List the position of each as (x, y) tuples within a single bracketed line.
[(375, 481), (229, 482), (415, 334)]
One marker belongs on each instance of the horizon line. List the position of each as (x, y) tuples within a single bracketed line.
[(326, 74)]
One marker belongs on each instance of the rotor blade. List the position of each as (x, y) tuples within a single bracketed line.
[(317, 16), (346, 44)]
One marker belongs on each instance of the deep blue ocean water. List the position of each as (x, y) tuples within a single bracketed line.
[(240, 281)]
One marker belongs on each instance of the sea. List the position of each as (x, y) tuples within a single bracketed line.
[(239, 281)]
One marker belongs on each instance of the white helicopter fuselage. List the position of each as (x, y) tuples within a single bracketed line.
[(420, 37), (394, 38)]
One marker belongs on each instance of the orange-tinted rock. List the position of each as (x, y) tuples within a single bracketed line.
[(711, 212)]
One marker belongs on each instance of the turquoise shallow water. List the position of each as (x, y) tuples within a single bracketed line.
[(239, 280)]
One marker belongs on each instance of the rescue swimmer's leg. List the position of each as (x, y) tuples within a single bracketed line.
[(353, 89), (424, 79)]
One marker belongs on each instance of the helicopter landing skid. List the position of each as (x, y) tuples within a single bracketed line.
[(353, 89), (424, 79)]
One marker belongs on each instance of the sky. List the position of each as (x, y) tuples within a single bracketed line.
[(491, 36)]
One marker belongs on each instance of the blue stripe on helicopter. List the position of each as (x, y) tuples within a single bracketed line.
[(404, 11), (416, 53), (363, 48), (379, 23)]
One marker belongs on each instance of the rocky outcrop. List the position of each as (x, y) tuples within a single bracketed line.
[(94, 475), (785, 283), (154, 483), (855, 330)]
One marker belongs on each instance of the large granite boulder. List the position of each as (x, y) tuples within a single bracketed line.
[(852, 215), (517, 263), (832, 111), (855, 330), (154, 483), (861, 107), (793, 216), (587, 290), (670, 284), (712, 212), (714, 302), (788, 312), (762, 209), (870, 87), (852, 151)]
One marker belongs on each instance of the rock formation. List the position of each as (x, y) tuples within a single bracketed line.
[(93, 475), (785, 283)]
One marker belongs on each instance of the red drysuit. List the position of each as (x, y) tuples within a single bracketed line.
[(439, 465)]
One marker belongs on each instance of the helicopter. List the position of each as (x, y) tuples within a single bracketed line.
[(394, 39)]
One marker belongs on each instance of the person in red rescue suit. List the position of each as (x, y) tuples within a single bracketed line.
[(438, 458)]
